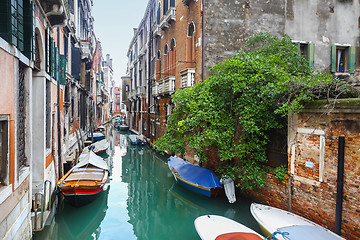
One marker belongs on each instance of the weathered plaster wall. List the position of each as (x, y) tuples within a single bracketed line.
[(323, 23), (228, 24)]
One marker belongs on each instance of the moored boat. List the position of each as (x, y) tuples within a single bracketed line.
[(98, 147), (96, 136), (123, 127), (137, 139), (195, 178), (271, 219), (85, 181), (211, 227)]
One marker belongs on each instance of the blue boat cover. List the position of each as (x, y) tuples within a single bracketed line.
[(195, 174), (300, 232)]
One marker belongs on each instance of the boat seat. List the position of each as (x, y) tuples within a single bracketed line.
[(83, 176), (238, 236)]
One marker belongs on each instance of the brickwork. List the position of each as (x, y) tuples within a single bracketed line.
[(313, 163)]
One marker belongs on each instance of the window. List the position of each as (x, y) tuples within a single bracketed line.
[(172, 58), (127, 88), (48, 114), (4, 125), (166, 6), (307, 50), (190, 46), (16, 24), (343, 59)]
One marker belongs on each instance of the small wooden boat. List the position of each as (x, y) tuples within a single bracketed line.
[(123, 127), (97, 136), (211, 227), (271, 219), (195, 178), (100, 129), (98, 147), (137, 139), (85, 181)]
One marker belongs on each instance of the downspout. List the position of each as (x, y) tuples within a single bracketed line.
[(202, 39), (58, 111), (149, 73), (340, 186)]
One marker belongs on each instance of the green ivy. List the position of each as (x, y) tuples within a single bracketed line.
[(245, 97)]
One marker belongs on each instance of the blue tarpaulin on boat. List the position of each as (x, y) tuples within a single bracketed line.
[(195, 174), (300, 232)]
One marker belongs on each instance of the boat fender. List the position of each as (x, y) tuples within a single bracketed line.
[(229, 188)]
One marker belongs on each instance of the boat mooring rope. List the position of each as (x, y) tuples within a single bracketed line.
[(283, 234)]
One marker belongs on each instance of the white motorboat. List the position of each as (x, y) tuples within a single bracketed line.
[(211, 227), (295, 227)]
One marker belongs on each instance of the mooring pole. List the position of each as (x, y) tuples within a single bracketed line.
[(340, 185)]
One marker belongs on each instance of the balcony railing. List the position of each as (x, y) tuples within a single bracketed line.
[(164, 86), (56, 11), (156, 30), (155, 87), (187, 77), (169, 17), (85, 49)]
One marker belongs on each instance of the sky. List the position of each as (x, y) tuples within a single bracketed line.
[(114, 23)]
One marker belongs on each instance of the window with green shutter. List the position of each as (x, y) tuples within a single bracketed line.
[(343, 59), (307, 50)]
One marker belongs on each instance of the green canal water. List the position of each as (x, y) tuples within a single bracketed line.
[(142, 202)]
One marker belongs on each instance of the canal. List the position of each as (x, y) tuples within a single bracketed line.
[(142, 202)]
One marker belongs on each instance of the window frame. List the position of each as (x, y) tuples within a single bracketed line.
[(310, 51), (349, 58)]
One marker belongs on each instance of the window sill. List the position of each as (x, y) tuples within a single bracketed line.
[(342, 74), (5, 192)]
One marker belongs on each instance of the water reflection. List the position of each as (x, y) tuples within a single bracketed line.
[(144, 202)]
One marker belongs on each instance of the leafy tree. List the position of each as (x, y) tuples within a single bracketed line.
[(245, 97)]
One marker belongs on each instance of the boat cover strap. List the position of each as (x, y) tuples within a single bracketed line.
[(85, 176), (238, 236)]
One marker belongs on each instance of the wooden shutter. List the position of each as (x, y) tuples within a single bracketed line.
[(20, 25), (62, 70), (333, 58), (310, 54), (29, 30), (351, 52), (57, 64)]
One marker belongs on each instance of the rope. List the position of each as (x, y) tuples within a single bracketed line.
[(283, 234)]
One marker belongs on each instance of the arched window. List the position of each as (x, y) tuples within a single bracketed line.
[(172, 58), (190, 46), (158, 65), (166, 60), (166, 6), (158, 14)]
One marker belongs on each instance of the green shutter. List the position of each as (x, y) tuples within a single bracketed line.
[(57, 64), (5, 20), (62, 70), (310, 54), (297, 45), (351, 52), (13, 23), (333, 58), (20, 25), (29, 30)]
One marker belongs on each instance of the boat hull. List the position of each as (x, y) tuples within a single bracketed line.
[(271, 219), (79, 199), (211, 227), (208, 192)]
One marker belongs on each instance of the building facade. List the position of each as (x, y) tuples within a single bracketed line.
[(188, 37), (47, 51)]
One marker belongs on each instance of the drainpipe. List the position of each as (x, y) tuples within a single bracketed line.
[(202, 39), (58, 111), (340, 186), (149, 72)]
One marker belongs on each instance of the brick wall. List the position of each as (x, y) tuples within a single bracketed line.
[(313, 153)]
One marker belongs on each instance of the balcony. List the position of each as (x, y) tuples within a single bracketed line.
[(187, 77), (85, 49), (132, 94), (142, 51), (56, 11), (168, 18), (156, 30), (139, 91), (155, 87), (169, 85)]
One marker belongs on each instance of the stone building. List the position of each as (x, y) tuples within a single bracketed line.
[(46, 54), (191, 36), (140, 53)]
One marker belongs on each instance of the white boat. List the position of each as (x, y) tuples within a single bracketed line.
[(211, 227), (98, 147), (271, 219)]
